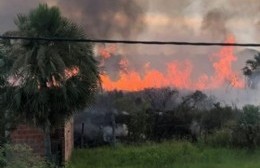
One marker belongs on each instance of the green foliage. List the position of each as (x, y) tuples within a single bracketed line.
[(137, 124), (7, 121), (251, 71), (14, 156), (194, 116), (165, 155), (252, 65), (249, 124), (221, 138), (48, 81), (217, 117), (45, 90), (250, 116), (171, 117)]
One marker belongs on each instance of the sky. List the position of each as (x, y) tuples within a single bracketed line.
[(167, 20), (206, 19)]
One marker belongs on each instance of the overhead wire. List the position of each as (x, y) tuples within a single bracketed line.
[(133, 42)]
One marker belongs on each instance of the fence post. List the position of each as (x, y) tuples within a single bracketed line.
[(82, 136)]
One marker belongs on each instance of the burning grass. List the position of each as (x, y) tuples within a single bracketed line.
[(178, 74), (165, 155)]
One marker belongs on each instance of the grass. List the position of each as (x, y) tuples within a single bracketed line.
[(165, 155)]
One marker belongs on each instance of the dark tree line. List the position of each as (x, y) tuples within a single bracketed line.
[(166, 114)]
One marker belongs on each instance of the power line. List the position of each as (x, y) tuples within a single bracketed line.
[(180, 43)]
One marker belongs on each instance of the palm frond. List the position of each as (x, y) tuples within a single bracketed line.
[(35, 63)]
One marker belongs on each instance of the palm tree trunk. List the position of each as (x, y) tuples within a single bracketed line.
[(47, 142), (6, 126)]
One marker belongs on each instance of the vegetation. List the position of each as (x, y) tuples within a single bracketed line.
[(175, 116), (7, 120), (48, 81), (44, 82), (251, 71), (252, 65), (165, 155), (249, 124), (13, 156)]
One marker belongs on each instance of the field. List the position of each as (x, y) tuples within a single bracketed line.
[(165, 155)]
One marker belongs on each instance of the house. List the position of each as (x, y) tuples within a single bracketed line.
[(62, 140)]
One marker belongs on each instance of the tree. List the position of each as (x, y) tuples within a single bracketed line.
[(249, 124), (138, 119), (49, 80), (251, 70), (6, 121), (2, 81)]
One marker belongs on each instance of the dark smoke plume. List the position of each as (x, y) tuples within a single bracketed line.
[(214, 24), (106, 18)]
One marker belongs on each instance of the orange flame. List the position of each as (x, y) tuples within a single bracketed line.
[(70, 72), (105, 52), (178, 75)]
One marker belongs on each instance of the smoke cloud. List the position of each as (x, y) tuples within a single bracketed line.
[(117, 19), (10, 8), (175, 20), (106, 19), (214, 24)]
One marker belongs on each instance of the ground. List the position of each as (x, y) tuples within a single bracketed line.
[(165, 155)]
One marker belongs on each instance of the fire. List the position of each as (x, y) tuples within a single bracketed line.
[(70, 72), (179, 73), (105, 52)]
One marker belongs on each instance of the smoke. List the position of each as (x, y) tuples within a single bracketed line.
[(201, 20), (151, 18), (175, 20), (105, 19), (214, 24), (10, 8), (100, 19), (117, 19)]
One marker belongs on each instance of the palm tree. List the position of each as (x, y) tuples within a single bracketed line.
[(7, 121), (2, 82), (49, 80), (251, 70)]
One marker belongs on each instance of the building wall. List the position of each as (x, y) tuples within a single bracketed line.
[(34, 137), (30, 136), (68, 139)]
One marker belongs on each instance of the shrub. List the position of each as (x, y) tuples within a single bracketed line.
[(221, 138), (249, 124), (14, 156), (137, 123), (238, 137)]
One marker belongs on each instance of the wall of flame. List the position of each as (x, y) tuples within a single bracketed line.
[(177, 75)]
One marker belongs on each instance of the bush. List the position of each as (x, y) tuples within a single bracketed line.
[(14, 156), (238, 137), (137, 123), (249, 125), (221, 138)]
